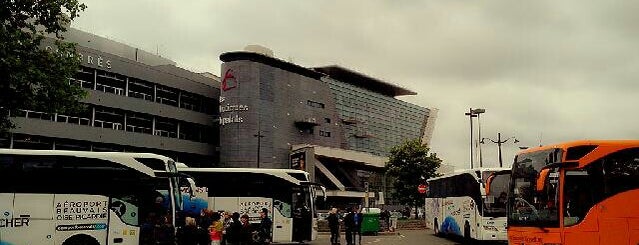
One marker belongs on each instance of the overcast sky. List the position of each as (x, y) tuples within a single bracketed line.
[(545, 71)]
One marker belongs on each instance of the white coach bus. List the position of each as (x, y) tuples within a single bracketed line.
[(91, 198), (469, 203), (287, 194)]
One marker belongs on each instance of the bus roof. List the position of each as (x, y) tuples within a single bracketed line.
[(122, 158), (566, 145), (472, 171), (280, 173)]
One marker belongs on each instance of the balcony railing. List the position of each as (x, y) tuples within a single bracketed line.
[(106, 124)]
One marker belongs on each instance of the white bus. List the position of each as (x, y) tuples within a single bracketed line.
[(89, 198), (469, 203), (287, 194)]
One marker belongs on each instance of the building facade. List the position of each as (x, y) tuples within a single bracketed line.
[(137, 102), (335, 123)]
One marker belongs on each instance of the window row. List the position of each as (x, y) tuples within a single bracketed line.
[(132, 87), (116, 119)]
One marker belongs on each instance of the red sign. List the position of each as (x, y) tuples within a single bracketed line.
[(228, 82), (422, 188)]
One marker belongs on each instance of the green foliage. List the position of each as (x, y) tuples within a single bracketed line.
[(32, 77), (410, 165)]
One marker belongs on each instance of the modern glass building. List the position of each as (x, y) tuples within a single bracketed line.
[(335, 123), (373, 119)]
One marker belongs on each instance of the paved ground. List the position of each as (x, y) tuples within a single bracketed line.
[(408, 237)]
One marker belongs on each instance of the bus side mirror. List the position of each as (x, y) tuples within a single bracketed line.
[(189, 183), (323, 192), (541, 180), (489, 180)]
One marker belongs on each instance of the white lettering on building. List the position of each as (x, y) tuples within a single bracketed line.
[(99, 61), (230, 113)]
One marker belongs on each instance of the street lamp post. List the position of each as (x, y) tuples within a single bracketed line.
[(477, 112), (259, 137), (470, 115), (499, 142)]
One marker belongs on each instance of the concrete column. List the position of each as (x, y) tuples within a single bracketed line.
[(153, 126), (95, 79), (178, 130), (126, 87), (155, 93), (92, 116), (10, 140)]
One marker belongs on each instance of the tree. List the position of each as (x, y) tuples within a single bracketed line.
[(410, 165), (32, 77)]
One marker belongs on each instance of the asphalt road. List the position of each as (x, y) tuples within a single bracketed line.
[(408, 237)]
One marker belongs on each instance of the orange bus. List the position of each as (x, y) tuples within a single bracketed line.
[(582, 192)]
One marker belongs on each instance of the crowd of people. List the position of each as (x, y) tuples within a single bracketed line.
[(352, 221), (224, 228)]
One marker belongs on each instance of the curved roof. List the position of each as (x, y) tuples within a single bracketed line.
[(274, 62), (364, 81)]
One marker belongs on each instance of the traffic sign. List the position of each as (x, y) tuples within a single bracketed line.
[(422, 188)]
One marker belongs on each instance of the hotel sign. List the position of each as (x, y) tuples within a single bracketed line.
[(88, 59)]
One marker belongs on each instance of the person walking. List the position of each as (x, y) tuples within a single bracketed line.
[(216, 228), (357, 231), (333, 225), (349, 226), (265, 227), (191, 234), (233, 231), (246, 231)]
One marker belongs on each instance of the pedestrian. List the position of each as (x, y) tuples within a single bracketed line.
[(204, 220), (233, 231), (333, 225), (216, 228), (191, 234), (349, 226), (357, 231), (246, 232), (265, 227), (227, 222)]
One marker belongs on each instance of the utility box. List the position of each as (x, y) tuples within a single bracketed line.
[(370, 220)]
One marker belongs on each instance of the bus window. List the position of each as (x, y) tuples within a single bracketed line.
[(577, 196)]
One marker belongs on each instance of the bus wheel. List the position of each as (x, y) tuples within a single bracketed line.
[(81, 240), (436, 227), (467, 237)]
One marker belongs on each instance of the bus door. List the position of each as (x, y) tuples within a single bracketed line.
[(578, 192), (302, 215)]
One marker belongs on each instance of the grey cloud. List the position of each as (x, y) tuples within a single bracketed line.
[(543, 69)]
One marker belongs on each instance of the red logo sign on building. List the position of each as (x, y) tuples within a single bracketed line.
[(229, 81)]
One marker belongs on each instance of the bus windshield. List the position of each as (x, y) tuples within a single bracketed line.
[(495, 201), (527, 205)]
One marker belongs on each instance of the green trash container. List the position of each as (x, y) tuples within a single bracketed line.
[(370, 220)]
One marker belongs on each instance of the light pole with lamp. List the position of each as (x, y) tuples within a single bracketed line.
[(499, 142), (470, 115), (477, 112), (259, 137)]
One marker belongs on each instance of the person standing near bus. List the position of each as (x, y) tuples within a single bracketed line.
[(349, 225), (216, 228), (234, 230), (246, 232), (357, 231), (333, 225), (265, 226)]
